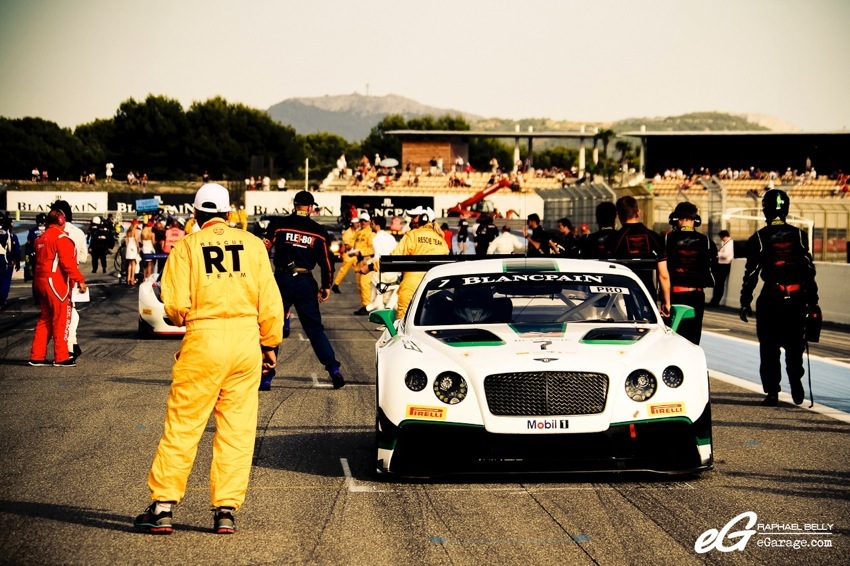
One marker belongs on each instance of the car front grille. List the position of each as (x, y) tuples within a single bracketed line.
[(546, 393)]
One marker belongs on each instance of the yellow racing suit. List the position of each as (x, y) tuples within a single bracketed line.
[(348, 261), (363, 244), (425, 240), (218, 282)]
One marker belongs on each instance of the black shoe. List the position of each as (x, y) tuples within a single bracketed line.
[(77, 351), (66, 364), (798, 394), (38, 363), (266, 380), (335, 288), (770, 400), (223, 521), (156, 524), (336, 378), (361, 311)]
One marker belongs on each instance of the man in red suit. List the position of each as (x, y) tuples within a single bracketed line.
[(55, 275)]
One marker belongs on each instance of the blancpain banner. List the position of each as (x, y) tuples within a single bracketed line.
[(40, 201), (258, 203)]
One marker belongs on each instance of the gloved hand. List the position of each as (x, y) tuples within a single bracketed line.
[(745, 312)]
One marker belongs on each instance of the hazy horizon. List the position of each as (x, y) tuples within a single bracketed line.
[(74, 62)]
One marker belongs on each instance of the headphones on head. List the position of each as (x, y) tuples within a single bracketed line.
[(673, 219)]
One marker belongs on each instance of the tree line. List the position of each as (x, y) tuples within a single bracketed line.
[(156, 136)]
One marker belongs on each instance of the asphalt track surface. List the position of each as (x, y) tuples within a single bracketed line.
[(77, 444)]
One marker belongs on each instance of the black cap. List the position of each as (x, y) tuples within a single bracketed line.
[(304, 198), (65, 208)]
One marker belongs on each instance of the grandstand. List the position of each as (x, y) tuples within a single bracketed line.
[(816, 189), (436, 184)]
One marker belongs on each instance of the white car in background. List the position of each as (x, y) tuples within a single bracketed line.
[(152, 318), (535, 364)]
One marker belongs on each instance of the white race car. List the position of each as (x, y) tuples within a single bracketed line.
[(537, 364), (152, 318)]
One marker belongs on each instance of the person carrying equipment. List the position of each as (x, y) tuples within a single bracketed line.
[(780, 253), (218, 283)]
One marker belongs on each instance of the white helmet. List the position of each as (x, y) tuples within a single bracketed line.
[(95, 220)]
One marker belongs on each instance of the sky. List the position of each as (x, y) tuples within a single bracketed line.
[(72, 62)]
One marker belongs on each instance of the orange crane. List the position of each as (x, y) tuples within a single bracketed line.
[(475, 206)]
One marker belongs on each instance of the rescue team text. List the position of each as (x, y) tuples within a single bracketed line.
[(214, 257)]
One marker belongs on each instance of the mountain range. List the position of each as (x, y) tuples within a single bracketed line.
[(352, 117)]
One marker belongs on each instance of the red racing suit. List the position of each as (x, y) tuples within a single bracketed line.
[(55, 274)]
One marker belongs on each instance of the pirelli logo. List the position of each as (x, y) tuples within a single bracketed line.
[(666, 409), (427, 413)]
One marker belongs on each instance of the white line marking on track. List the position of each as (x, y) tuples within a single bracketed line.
[(349, 479), (317, 384), (785, 397)]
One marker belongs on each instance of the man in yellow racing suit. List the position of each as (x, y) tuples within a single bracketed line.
[(363, 247), (426, 238), (218, 282), (348, 261)]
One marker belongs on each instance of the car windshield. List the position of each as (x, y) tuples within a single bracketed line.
[(533, 298)]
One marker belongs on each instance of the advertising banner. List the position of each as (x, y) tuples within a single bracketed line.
[(40, 201), (128, 203), (386, 205)]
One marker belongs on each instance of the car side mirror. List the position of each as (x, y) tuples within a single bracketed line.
[(386, 317), (678, 313)]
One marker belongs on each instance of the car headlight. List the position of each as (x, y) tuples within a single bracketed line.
[(450, 388), (672, 376), (416, 380), (641, 385), (334, 248)]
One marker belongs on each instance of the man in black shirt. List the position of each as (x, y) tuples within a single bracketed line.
[(600, 244), (537, 237), (299, 245), (484, 234), (690, 256), (636, 241), (565, 243), (780, 253)]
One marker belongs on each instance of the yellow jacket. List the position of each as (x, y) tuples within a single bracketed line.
[(363, 241), (348, 238), (222, 275), (425, 240)]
